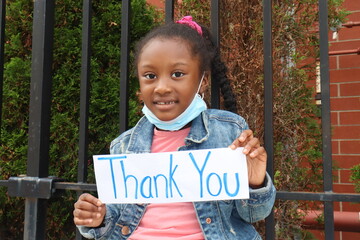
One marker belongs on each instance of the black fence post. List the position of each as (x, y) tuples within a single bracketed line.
[(169, 11), (124, 65), (268, 105), (84, 97), (326, 119), (39, 118), (215, 29), (84, 91)]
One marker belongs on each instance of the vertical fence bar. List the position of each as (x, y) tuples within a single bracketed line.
[(39, 116), (124, 65), (84, 91), (169, 11), (215, 28), (84, 96), (325, 118), (268, 85), (2, 50), (268, 105)]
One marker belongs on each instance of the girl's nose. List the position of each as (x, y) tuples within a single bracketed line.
[(163, 86)]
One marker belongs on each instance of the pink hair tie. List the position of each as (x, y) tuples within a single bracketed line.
[(187, 20)]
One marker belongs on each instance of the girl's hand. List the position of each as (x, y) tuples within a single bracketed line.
[(89, 211), (255, 157)]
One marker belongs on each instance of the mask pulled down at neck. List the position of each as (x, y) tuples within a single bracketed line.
[(197, 106)]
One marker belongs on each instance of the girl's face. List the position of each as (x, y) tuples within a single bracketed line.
[(169, 77)]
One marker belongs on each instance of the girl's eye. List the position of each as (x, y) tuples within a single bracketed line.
[(150, 76), (177, 74)]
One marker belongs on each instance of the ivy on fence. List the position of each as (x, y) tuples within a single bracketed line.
[(297, 132)]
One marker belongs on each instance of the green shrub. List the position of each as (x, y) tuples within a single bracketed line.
[(64, 129), (355, 177)]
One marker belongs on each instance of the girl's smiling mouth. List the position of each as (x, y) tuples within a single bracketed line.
[(165, 103)]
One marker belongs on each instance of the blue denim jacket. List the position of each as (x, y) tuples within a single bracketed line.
[(230, 219)]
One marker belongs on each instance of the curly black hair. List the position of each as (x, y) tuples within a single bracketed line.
[(201, 45)]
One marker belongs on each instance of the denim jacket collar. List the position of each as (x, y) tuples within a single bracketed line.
[(143, 133), (199, 131)]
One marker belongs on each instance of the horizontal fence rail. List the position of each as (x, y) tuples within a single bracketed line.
[(43, 187), (281, 195)]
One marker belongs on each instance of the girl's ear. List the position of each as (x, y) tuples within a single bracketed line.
[(205, 82), (139, 96)]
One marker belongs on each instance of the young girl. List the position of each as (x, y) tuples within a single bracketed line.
[(174, 64)]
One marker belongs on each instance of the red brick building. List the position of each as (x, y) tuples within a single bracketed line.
[(345, 106), (157, 3)]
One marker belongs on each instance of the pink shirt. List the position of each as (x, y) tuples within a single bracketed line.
[(165, 221)]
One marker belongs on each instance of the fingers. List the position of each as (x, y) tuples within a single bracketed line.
[(246, 140), (259, 153), (251, 146), (85, 218), (86, 206), (250, 143), (90, 198), (88, 211), (255, 155), (241, 141)]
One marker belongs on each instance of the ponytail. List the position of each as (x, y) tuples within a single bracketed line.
[(219, 72)]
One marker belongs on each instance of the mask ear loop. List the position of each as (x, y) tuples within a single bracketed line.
[(197, 92)]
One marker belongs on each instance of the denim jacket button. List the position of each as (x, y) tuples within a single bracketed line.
[(125, 230), (208, 220)]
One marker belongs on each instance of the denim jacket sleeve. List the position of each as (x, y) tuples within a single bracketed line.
[(259, 204)]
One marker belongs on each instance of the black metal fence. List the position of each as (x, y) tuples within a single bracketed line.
[(37, 187)]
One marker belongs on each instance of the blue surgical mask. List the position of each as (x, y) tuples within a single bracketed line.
[(191, 112)]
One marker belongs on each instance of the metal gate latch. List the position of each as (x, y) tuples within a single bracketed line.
[(33, 187)]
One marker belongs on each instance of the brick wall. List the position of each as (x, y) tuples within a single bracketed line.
[(157, 3), (345, 101), (345, 109)]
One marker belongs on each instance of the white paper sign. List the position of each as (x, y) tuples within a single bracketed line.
[(183, 176)]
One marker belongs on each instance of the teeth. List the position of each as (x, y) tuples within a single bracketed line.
[(165, 103)]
